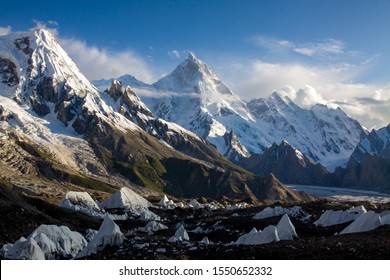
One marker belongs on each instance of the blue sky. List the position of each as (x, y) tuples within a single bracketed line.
[(333, 52)]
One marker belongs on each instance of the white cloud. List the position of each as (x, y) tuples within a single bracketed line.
[(270, 43), (306, 85), (259, 78), (308, 96), (97, 63), (174, 54), (326, 48), (5, 30)]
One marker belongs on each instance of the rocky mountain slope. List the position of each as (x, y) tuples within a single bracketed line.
[(369, 164), (377, 142), (288, 164), (73, 134)]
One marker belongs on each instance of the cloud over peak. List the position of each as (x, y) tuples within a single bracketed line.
[(174, 54)]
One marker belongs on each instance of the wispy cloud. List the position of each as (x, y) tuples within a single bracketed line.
[(98, 63), (5, 30), (174, 54), (271, 43), (326, 48)]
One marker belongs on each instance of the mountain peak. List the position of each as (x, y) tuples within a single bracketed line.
[(192, 57), (280, 97), (192, 76)]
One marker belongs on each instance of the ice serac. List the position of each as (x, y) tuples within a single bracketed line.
[(81, 202), (268, 235), (68, 243), (180, 235), (109, 234), (331, 217), (126, 198), (365, 222), (25, 249), (286, 230)]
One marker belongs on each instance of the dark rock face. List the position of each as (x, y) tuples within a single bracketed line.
[(23, 44), (371, 173), (215, 182), (369, 165), (134, 103), (5, 115), (8, 74), (39, 106), (289, 165), (45, 88), (115, 90), (377, 142), (232, 142)]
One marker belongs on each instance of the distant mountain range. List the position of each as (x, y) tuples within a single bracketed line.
[(318, 144), (183, 135), (194, 97), (58, 131)]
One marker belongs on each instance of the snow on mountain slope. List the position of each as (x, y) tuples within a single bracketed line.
[(93, 136), (324, 135), (131, 106), (377, 142), (48, 81), (58, 141), (44, 96), (194, 97), (37, 55)]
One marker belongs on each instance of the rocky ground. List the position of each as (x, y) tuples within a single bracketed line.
[(20, 215)]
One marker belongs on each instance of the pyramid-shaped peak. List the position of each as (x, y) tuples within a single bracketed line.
[(192, 57), (192, 76)]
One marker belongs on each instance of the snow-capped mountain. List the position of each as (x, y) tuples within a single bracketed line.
[(324, 135), (194, 97), (56, 126), (131, 106), (377, 143)]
